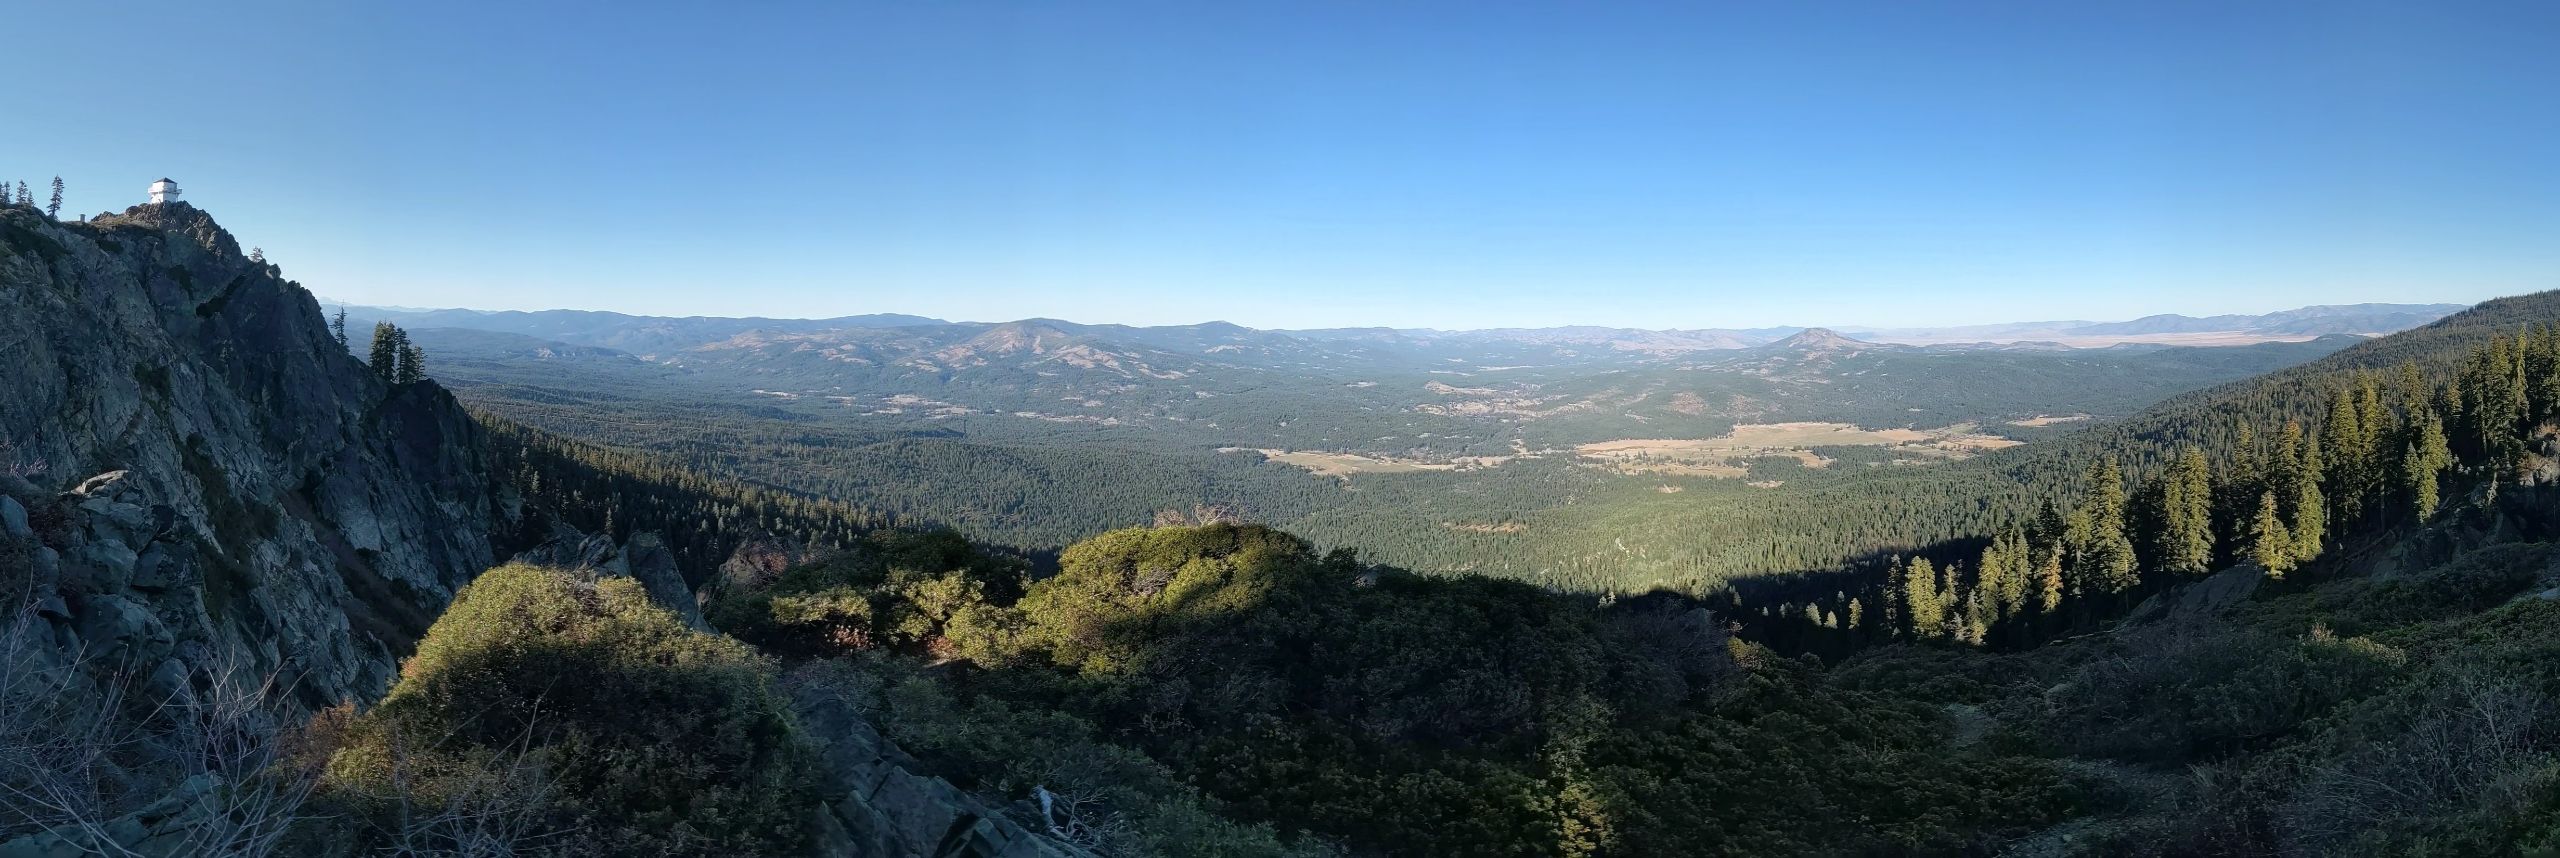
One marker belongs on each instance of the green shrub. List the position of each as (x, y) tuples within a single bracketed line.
[(631, 733)]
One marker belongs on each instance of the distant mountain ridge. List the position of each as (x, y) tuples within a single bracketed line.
[(652, 335), (2316, 320)]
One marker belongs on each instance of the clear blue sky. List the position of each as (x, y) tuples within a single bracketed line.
[(1313, 163)]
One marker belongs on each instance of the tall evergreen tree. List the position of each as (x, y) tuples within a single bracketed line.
[(1922, 603), (2236, 493), (2047, 550), (385, 355), (2342, 437), (2269, 544), (2184, 543), (413, 362), (54, 209), (2310, 509), (2542, 376), (2428, 456), (2105, 556), (338, 327)]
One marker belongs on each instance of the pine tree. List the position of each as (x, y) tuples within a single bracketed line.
[(54, 209), (1922, 604), (2105, 558), (338, 327), (2309, 526), (1979, 617), (2342, 436), (2018, 583), (2047, 549), (2542, 376), (2003, 574), (413, 362), (2428, 456), (385, 355), (2270, 545), (2184, 544), (2236, 494), (1951, 601), (1857, 615), (2490, 401)]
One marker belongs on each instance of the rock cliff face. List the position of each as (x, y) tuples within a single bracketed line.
[(198, 482), (275, 499)]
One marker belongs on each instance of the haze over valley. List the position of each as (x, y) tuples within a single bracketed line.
[(1581, 456)]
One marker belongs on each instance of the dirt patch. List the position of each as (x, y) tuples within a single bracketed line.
[(2049, 419)]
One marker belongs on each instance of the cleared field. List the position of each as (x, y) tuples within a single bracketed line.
[(1728, 455), (2049, 419), (1324, 464)]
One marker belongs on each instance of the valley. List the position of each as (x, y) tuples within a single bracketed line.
[(1640, 460)]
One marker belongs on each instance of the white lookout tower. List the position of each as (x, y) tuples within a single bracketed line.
[(164, 191)]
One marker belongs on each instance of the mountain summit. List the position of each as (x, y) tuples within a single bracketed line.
[(1819, 340)]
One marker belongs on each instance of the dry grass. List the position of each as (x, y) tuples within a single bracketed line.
[(1325, 464), (1728, 455)]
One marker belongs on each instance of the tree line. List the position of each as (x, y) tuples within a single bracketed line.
[(26, 196), (2384, 455), (704, 519)]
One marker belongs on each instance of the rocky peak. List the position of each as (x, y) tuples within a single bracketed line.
[(270, 497), (1818, 340)]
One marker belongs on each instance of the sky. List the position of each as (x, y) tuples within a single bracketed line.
[(1318, 164)]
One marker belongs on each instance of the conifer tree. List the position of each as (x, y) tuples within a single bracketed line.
[(413, 362), (1857, 615), (2236, 494), (2004, 573), (2413, 389), (2342, 437), (1951, 601), (2428, 456), (2184, 541), (2105, 558), (1975, 628), (2270, 545), (338, 327), (385, 355), (54, 210), (2047, 550), (2309, 526), (1920, 592)]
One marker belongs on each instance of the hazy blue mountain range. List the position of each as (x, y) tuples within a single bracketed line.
[(652, 334)]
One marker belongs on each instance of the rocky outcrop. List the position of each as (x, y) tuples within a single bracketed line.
[(643, 558), (199, 485), (245, 485), (880, 804)]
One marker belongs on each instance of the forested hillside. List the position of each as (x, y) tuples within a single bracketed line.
[(2342, 428), (1481, 467)]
